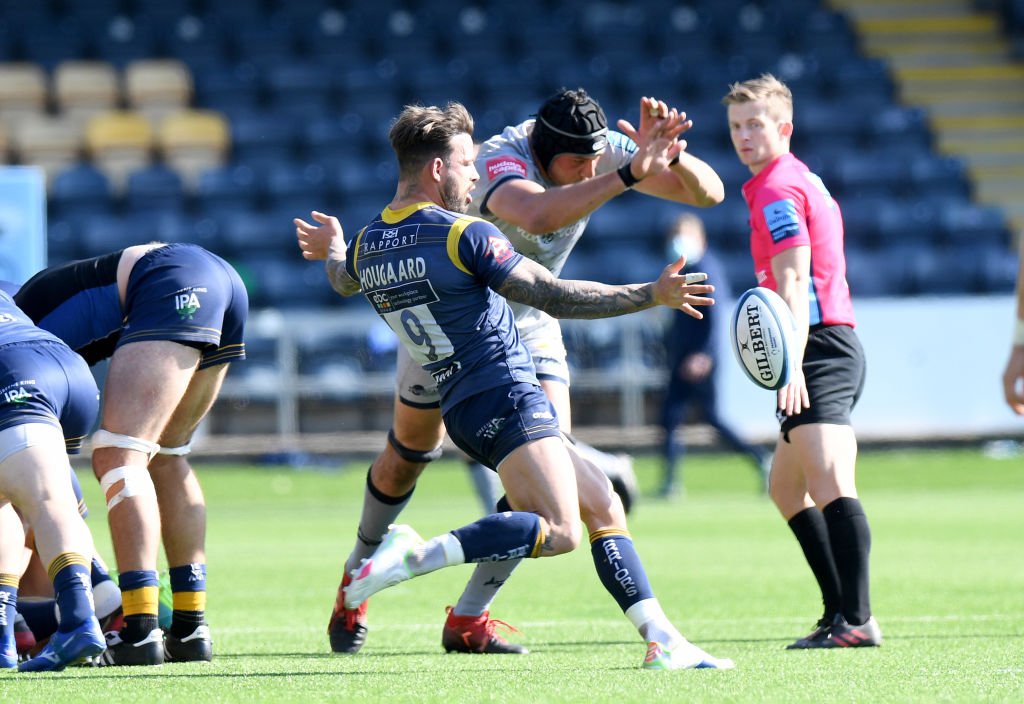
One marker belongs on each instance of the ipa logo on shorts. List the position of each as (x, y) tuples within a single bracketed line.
[(186, 303), (16, 393)]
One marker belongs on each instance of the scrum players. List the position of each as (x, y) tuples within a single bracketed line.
[(438, 288), (48, 402), (170, 317)]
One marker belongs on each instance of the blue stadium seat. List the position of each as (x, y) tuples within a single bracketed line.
[(871, 174), (64, 41), (154, 189), (939, 177), (230, 188), (121, 39), (869, 274), (63, 241), (330, 138), (81, 189), (969, 223), (105, 233), (270, 235), (297, 188), (195, 42), (997, 270), (262, 139), (299, 88), (284, 282), (224, 88)]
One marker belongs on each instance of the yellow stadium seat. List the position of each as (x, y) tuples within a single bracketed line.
[(23, 92), (82, 89), (52, 143), (157, 87), (119, 142), (191, 141)]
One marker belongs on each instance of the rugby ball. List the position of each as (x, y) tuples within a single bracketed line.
[(762, 332)]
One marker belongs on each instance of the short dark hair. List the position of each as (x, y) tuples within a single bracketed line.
[(420, 134)]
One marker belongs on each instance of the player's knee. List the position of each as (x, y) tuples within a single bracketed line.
[(125, 482), (562, 537), (104, 438)]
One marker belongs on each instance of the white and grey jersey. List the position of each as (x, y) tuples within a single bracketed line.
[(507, 156)]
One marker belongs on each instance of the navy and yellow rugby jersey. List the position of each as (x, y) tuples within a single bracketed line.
[(42, 379), (16, 326), (430, 274), (78, 299)]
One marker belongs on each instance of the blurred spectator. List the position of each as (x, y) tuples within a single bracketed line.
[(692, 349)]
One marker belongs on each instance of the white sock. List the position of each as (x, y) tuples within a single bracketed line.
[(442, 551), (652, 623), (483, 586)]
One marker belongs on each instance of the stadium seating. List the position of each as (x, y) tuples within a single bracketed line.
[(24, 92), (272, 107), (49, 142), (193, 141), (82, 88), (119, 142)]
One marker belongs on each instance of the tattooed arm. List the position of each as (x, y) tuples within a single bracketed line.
[(532, 284)]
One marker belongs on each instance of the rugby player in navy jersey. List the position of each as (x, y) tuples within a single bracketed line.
[(48, 402), (440, 280), (551, 172), (796, 241), (170, 317)]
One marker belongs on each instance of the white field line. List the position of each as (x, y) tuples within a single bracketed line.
[(684, 623)]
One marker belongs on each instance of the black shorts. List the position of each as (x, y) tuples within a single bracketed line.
[(834, 369)]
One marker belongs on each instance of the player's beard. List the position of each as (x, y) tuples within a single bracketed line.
[(451, 199)]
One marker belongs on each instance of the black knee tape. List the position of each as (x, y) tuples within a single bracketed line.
[(380, 495), (413, 455)]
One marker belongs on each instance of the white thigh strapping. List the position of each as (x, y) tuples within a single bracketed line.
[(25, 435)]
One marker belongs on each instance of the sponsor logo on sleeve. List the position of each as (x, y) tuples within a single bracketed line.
[(499, 248), (505, 165), (782, 219)]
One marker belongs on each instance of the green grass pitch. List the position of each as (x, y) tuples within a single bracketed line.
[(947, 577)]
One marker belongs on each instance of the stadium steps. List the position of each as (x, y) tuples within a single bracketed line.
[(955, 61)]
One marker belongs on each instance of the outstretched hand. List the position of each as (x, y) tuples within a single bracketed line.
[(1013, 380), (682, 291), (317, 241), (657, 137)]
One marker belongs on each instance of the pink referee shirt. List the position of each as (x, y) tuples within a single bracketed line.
[(790, 207)]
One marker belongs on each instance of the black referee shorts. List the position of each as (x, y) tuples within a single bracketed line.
[(834, 368)]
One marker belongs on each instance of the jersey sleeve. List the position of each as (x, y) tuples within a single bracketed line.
[(487, 253), (780, 215)]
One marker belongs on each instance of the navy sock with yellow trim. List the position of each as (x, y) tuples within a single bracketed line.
[(501, 536), (8, 602), (72, 587), (619, 567), (188, 589), (140, 591)]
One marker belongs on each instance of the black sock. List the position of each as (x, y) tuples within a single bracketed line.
[(138, 626), (185, 623), (850, 537), (812, 533)]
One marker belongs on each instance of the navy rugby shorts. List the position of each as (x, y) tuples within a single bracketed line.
[(43, 381), (491, 424), (183, 293), (834, 368)]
